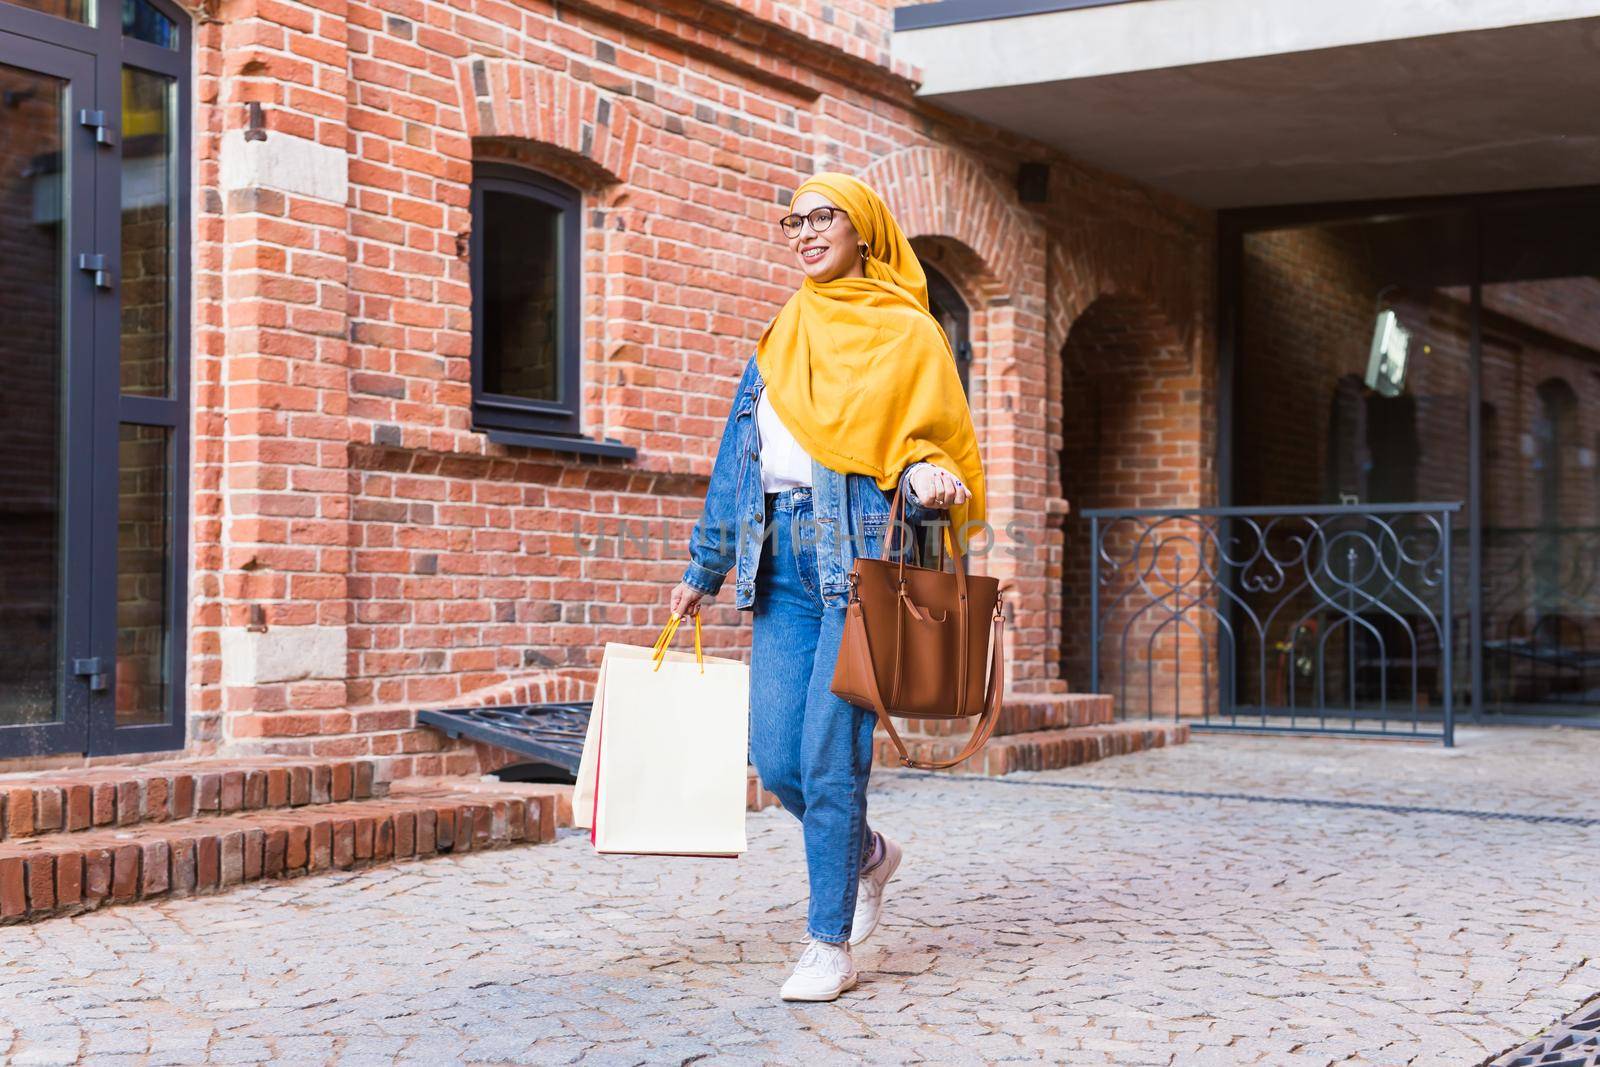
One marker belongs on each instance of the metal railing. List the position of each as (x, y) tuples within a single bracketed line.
[(1284, 620)]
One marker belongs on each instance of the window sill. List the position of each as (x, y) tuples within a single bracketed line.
[(583, 446)]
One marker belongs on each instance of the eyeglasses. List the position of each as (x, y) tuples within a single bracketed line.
[(819, 217)]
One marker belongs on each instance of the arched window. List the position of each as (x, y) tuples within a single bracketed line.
[(1554, 433), (526, 288), (951, 311)]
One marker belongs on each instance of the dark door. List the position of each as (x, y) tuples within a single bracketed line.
[(93, 413), (46, 407)]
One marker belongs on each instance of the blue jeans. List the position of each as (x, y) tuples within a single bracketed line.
[(812, 749)]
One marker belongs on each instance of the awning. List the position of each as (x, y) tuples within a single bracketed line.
[(1250, 102)]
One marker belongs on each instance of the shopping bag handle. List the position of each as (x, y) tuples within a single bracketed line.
[(658, 653)]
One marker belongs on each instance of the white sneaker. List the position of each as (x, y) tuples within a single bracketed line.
[(869, 893), (824, 971)]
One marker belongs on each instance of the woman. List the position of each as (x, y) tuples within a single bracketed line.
[(852, 392)]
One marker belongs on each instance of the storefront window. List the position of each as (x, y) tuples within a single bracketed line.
[(1541, 512), (1492, 311)]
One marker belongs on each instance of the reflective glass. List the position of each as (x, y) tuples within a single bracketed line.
[(521, 298), (148, 284), (1354, 370), (143, 22), (76, 10), (143, 565), (1541, 475), (33, 237)]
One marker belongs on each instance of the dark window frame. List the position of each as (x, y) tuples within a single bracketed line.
[(91, 457), (498, 412)]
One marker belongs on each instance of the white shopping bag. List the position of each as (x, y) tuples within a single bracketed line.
[(665, 759)]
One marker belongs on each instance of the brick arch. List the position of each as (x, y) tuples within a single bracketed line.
[(965, 220), (939, 192), (516, 101), (1092, 259), (1072, 289), (1124, 348), (1132, 437)]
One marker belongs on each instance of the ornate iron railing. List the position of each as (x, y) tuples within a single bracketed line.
[(1320, 620)]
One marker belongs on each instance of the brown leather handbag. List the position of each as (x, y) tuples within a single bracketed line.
[(916, 640)]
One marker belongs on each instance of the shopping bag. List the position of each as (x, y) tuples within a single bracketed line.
[(583, 788), (664, 762)]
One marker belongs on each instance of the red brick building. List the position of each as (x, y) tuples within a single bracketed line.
[(276, 484), (367, 533)]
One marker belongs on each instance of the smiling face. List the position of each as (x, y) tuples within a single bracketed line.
[(831, 254)]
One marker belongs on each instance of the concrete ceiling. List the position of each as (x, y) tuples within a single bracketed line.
[(1511, 107)]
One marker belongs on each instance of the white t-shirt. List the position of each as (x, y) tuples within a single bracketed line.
[(783, 462)]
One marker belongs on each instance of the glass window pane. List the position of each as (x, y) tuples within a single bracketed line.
[(1354, 374), (32, 351), (76, 10), (1314, 425), (1541, 476), (521, 298), (143, 564), (149, 283), (141, 21)]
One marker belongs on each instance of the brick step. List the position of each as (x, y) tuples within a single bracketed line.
[(65, 874), (756, 798), (1024, 715), (1041, 750), (93, 798)]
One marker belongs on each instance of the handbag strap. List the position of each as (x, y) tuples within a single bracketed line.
[(858, 647)]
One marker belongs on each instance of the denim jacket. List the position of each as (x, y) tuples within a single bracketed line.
[(851, 514)]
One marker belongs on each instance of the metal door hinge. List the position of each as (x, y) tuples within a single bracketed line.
[(96, 121), (95, 263), (93, 670)]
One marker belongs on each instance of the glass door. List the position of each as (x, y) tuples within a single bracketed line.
[(1540, 418), (46, 417), (93, 334)]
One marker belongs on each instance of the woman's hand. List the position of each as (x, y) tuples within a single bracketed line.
[(936, 487), (686, 599)]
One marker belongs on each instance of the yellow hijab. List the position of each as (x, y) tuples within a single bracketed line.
[(859, 370)]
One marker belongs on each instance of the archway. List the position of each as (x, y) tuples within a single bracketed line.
[(1131, 438)]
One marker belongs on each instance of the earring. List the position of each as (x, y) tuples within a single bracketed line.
[(862, 248)]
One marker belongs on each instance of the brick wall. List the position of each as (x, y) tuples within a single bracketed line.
[(360, 552), (1135, 436)]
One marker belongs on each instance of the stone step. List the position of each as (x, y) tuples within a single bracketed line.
[(1041, 750), (65, 874), (95, 798), (1024, 715)]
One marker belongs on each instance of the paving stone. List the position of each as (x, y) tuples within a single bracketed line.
[(1232, 901)]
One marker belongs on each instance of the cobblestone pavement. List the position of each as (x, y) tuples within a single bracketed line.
[(1110, 915)]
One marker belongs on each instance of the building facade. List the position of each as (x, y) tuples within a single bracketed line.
[(368, 357), (1407, 346)]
